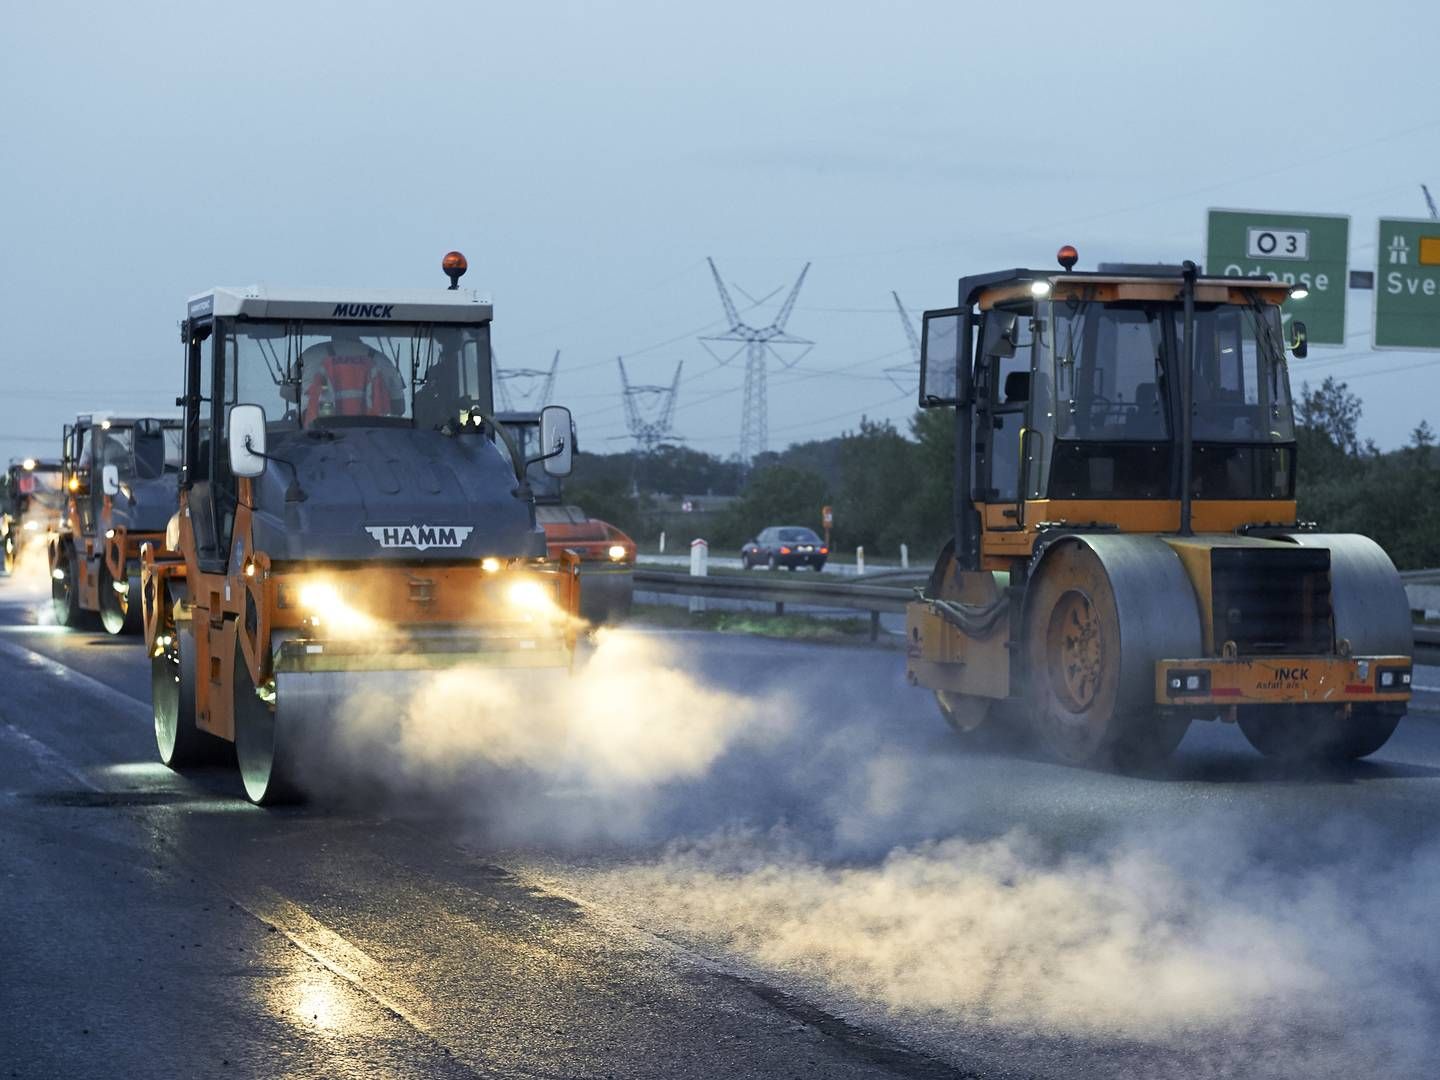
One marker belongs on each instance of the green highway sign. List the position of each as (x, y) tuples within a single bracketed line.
[(1311, 249), (1407, 284)]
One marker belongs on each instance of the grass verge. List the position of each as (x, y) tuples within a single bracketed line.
[(847, 631)]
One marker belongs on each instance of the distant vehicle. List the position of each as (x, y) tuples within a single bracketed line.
[(121, 489), (31, 499), (792, 546), (607, 554)]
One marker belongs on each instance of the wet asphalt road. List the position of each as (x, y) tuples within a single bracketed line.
[(157, 925)]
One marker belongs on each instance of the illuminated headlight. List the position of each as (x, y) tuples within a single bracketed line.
[(32, 526), (529, 596), (490, 564), (320, 598), (58, 574), (617, 552), (109, 534), (122, 587)]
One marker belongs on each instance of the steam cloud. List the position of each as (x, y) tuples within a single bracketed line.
[(871, 863)]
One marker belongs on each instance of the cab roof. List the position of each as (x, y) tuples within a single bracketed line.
[(357, 305), (121, 420), (1163, 285)]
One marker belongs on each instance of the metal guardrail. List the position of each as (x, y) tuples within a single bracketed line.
[(767, 589), (846, 595)]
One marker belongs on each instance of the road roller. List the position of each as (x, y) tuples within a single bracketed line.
[(120, 476), (606, 553), (347, 524), (31, 501), (1126, 557)]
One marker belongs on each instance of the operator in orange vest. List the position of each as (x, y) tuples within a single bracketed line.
[(345, 377)]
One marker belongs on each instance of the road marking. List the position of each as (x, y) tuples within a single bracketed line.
[(326, 947)]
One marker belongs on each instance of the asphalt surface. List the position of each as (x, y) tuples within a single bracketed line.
[(786, 866)]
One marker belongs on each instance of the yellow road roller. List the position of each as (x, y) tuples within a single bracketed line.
[(1126, 556)]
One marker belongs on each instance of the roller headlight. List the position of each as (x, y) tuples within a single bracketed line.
[(617, 552), (529, 596)]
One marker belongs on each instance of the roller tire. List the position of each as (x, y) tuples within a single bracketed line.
[(264, 747), (1073, 656), (120, 615), (180, 743), (64, 600), (1317, 733)]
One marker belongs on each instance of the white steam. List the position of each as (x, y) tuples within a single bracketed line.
[(817, 830)]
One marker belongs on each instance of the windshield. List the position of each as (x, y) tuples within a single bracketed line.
[(325, 374), (156, 452), (1241, 389), (1110, 376), (37, 481), (1113, 364)]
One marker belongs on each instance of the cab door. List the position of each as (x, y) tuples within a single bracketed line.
[(1002, 384)]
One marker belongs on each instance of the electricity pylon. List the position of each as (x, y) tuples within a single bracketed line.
[(906, 376), (538, 386), (758, 344), (649, 424)]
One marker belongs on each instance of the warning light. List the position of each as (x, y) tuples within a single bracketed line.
[(1299, 291), (1067, 257), (28, 464), (74, 484), (454, 265), (1039, 288)]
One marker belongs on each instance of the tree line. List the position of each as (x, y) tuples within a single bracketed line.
[(889, 487)]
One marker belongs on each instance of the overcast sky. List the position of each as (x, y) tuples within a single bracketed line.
[(588, 157)]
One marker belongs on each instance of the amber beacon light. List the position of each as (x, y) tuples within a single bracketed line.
[(454, 265), (1067, 257)]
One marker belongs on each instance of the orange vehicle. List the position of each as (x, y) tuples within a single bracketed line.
[(31, 501), (1126, 555), (346, 522), (120, 477), (606, 554)]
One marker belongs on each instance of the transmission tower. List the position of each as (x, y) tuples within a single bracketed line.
[(535, 389), (906, 376), (758, 345), (658, 406), (1430, 203)]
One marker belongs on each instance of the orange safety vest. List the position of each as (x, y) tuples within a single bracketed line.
[(347, 386)]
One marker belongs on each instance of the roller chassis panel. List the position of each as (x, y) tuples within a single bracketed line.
[(1276, 680)]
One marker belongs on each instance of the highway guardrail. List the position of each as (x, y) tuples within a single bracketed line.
[(768, 589)]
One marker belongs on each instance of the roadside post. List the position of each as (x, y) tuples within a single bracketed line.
[(859, 561), (904, 556), (699, 567)]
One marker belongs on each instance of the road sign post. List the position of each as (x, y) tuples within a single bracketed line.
[(1407, 284), (1308, 249)]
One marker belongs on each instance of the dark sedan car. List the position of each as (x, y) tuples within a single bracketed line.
[(785, 545)]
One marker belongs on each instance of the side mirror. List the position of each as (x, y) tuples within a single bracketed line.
[(557, 444), (110, 480), (246, 439), (1300, 344)]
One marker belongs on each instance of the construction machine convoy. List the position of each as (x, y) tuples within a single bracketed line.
[(119, 475), (1126, 554), (31, 501), (606, 554), (346, 521)]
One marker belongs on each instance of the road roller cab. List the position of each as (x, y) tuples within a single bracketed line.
[(606, 553), (1126, 555), (346, 520), (31, 500), (120, 477)]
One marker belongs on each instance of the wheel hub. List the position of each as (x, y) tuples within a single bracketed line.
[(1075, 650)]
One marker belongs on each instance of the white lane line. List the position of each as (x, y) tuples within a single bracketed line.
[(133, 707), (331, 950)]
